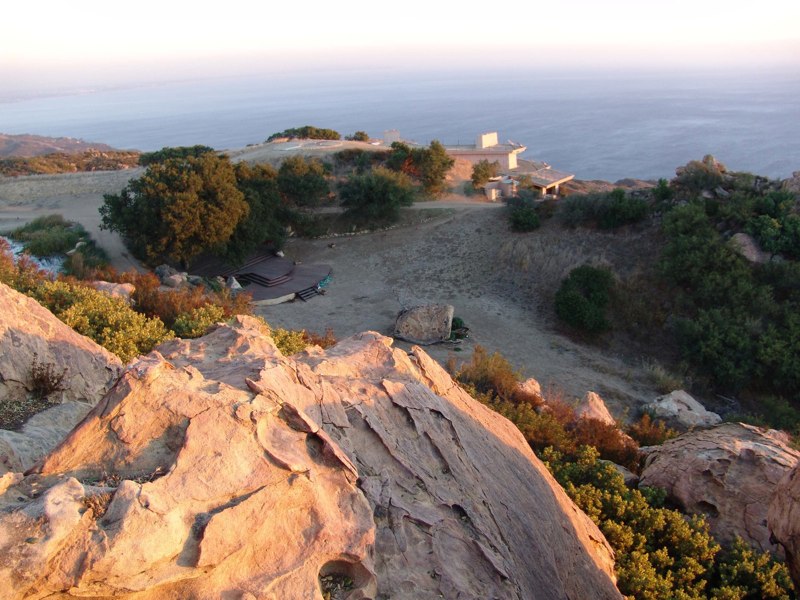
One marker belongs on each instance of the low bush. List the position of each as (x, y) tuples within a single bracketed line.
[(650, 432), (660, 553), (49, 235), (45, 380), (107, 320), (582, 299), (606, 211), (375, 198), (196, 322), (306, 132), (167, 153), (524, 219), (167, 306)]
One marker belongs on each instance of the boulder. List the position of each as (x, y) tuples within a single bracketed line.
[(30, 333), (174, 281), (783, 520), (682, 412), (119, 290), (745, 245), (792, 184), (532, 389), (424, 325), (593, 407), (728, 473), (217, 468)]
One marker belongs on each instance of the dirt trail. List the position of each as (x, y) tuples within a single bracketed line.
[(76, 196), (457, 261)]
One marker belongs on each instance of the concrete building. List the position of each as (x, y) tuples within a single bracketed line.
[(544, 177), (487, 148), (501, 187)]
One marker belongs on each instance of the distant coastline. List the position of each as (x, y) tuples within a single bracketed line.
[(608, 128)]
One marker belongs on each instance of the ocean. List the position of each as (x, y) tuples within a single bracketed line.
[(596, 125)]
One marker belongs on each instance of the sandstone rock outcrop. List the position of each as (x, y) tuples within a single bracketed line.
[(792, 184), (682, 412), (729, 473), (28, 333), (593, 407), (783, 520), (118, 290), (424, 325), (27, 328), (218, 468)]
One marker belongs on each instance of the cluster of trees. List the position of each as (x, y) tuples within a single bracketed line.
[(184, 206), (738, 323), (428, 165), (307, 132), (167, 152)]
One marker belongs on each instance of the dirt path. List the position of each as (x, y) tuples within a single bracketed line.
[(456, 261), (76, 196)]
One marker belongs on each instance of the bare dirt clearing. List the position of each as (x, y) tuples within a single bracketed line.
[(457, 260)]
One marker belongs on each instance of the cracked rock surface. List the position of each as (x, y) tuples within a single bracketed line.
[(217, 468), (783, 519), (27, 329), (729, 473)]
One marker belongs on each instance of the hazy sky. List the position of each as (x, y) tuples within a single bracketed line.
[(49, 41)]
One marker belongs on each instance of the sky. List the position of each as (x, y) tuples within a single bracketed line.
[(52, 42)]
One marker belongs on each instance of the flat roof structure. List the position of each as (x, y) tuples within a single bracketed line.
[(487, 148)]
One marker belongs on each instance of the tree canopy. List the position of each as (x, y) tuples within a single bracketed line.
[(483, 171), (376, 196), (178, 208), (148, 158), (268, 214), (429, 165), (308, 132), (302, 181)]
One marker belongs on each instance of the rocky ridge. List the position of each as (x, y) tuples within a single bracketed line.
[(217, 467), (728, 473)]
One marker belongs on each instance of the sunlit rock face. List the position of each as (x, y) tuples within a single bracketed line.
[(217, 468)]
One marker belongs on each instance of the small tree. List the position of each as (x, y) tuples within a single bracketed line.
[(582, 298), (483, 171), (434, 163), (376, 197), (178, 208), (302, 181), (358, 136)]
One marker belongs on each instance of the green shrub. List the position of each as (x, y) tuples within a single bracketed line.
[(288, 341), (620, 209), (524, 219), (606, 211), (307, 132), (196, 322), (48, 235), (375, 198), (582, 298), (108, 321), (303, 181), (483, 171), (166, 153), (490, 373), (358, 136)]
